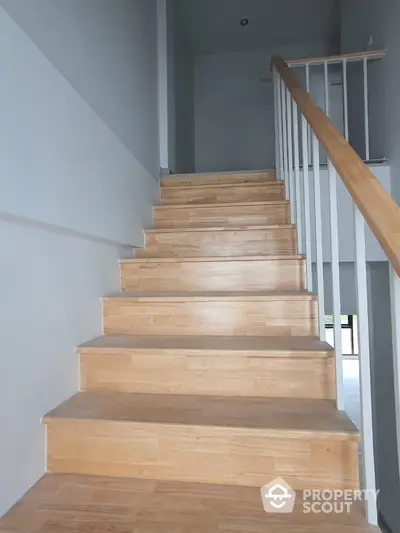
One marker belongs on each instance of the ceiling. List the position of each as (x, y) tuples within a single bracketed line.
[(214, 25)]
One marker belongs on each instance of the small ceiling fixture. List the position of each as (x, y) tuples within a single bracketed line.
[(244, 21)]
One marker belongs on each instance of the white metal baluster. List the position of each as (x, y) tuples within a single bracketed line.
[(318, 239), (306, 202), (276, 120), (365, 370), (395, 308), (290, 157), (308, 77), (285, 141), (309, 132), (337, 326), (299, 218), (326, 86), (280, 130), (366, 111), (345, 102)]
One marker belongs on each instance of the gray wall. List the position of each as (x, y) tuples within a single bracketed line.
[(234, 113), (347, 288), (360, 19), (78, 160), (386, 457), (171, 29), (184, 102), (382, 378), (180, 95), (345, 205)]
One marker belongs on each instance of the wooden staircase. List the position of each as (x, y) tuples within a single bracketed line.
[(209, 372)]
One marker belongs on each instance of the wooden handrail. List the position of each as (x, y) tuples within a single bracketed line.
[(354, 56), (380, 211)]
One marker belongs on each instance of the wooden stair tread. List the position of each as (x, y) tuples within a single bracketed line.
[(201, 193), (212, 182), (83, 504), (233, 178), (210, 296), (280, 345), (219, 228), (152, 505), (222, 204), (273, 414), (267, 184), (216, 259), (242, 172)]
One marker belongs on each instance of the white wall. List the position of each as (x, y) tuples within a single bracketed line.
[(234, 114), (59, 162), (77, 184), (51, 286), (100, 47)]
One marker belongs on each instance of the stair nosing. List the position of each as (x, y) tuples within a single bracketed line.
[(223, 173), (255, 181), (266, 183), (216, 259), (222, 204), (203, 296), (275, 431), (209, 352), (199, 229), (322, 351), (53, 416)]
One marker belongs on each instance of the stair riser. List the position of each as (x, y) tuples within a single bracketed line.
[(217, 317), (241, 215), (214, 179), (229, 456), (285, 275), (180, 372), (209, 195), (224, 243)]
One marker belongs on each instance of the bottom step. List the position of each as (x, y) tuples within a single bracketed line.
[(79, 504), (208, 439)]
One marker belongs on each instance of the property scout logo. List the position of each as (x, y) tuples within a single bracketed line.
[(279, 497)]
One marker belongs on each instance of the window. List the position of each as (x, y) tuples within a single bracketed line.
[(349, 328)]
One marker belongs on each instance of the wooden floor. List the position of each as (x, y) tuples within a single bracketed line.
[(209, 378), (91, 504)]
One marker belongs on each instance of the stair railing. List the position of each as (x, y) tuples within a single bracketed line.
[(372, 204)]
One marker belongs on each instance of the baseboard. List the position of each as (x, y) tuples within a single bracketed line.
[(164, 172)]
